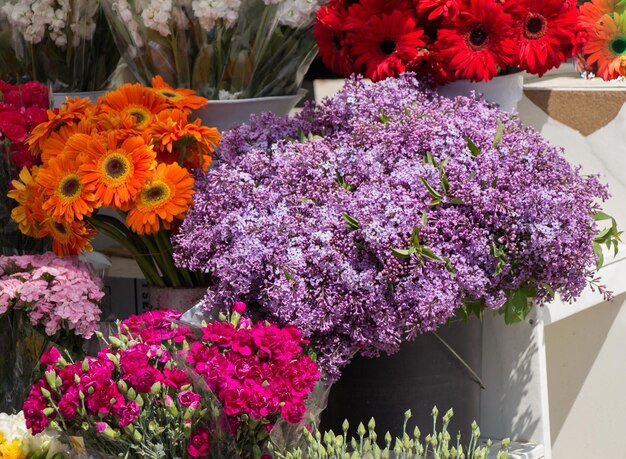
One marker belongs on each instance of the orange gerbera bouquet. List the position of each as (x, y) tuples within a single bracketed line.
[(134, 152), (602, 25)]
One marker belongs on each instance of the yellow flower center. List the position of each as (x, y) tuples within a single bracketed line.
[(115, 168), (69, 187), (169, 94), (141, 114), (155, 194)]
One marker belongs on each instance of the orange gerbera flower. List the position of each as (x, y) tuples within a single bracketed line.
[(29, 213), (67, 198), (592, 12), (71, 111), (606, 47), (166, 196), (141, 103), (183, 99), (117, 172), (70, 139), (68, 239), (177, 140)]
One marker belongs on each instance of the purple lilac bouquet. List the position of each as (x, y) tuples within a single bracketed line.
[(387, 210), (56, 294)]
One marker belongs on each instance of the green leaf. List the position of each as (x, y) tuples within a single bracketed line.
[(597, 249), (455, 201), (431, 255), (415, 237), (383, 117), (424, 218), (430, 189), (301, 135), (429, 159), (472, 147), (401, 253), (351, 222), (341, 181), (288, 276), (599, 216), (499, 133), (518, 304)]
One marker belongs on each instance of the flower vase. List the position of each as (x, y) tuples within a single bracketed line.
[(504, 90), (227, 114), (181, 299), (59, 97), (22, 347), (423, 374)]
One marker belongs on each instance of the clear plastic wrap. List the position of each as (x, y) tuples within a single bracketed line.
[(65, 43), (44, 299), (246, 49)]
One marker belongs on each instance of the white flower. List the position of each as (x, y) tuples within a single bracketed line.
[(297, 13), (13, 427), (156, 15), (209, 12)]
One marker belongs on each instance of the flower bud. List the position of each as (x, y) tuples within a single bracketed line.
[(407, 414), (156, 388), (122, 386), (48, 411), (360, 430), (85, 366), (51, 377), (346, 425), (372, 424)]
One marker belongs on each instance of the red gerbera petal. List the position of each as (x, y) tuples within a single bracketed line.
[(362, 12), (331, 40), (386, 44), (546, 32), (477, 43), (437, 9)]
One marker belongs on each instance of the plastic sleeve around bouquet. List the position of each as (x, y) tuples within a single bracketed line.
[(149, 52), (283, 436), (287, 437), (75, 52), (44, 300), (250, 53)]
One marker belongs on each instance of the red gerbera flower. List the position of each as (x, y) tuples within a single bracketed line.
[(432, 10), (546, 32), (362, 12), (331, 40), (477, 43), (386, 45)]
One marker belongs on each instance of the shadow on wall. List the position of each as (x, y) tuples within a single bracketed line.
[(511, 402), (574, 346)]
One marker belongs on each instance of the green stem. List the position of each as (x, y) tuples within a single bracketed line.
[(166, 257), (105, 225), (184, 274)]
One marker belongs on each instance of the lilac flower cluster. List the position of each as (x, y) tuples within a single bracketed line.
[(398, 209), (57, 294)]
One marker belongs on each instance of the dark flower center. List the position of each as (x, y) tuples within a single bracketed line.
[(168, 94), (60, 227), (536, 27), (477, 37), (618, 46), (139, 117), (70, 187), (115, 168), (387, 47), (155, 193), (336, 40)]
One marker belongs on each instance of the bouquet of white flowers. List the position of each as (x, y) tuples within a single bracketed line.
[(67, 42), (224, 49), (17, 441)]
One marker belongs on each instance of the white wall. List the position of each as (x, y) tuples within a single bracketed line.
[(586, 366)]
